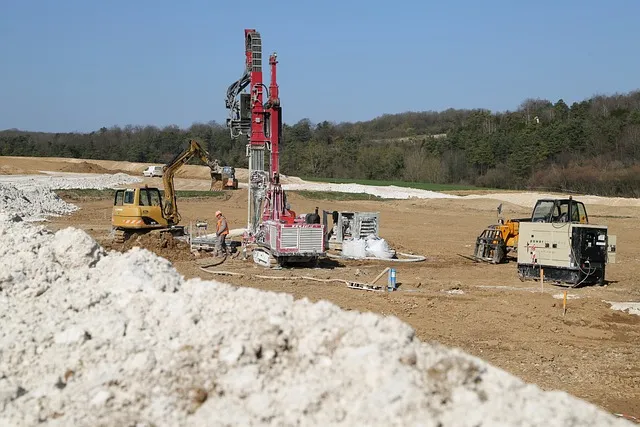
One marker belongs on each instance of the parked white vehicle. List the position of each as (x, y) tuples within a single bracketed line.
[(153, 171)]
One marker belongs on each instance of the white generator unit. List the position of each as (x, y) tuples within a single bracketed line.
[(568, 253), (350, 225)]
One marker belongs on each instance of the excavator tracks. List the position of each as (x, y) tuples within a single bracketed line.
[(120, 236)]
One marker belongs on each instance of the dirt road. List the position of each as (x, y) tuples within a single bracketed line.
[(592, 352)]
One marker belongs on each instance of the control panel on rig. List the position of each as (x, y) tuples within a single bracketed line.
[(272, 225)]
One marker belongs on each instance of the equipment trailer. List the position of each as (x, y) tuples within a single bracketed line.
[(559, 244)]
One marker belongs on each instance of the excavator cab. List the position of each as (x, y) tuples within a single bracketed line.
[(559, 210), (137, 209)]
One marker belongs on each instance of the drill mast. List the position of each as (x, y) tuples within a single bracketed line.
[(270, 222), (261, 122)]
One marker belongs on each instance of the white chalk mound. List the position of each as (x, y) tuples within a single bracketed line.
[(31, 197), (65, 181), (384, 192), (32, 203), (96, 338)]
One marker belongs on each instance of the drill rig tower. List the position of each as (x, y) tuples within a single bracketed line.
[(271, 224)]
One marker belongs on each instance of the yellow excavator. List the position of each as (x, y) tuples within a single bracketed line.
[(142, 209)]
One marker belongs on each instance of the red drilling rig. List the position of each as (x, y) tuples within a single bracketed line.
[(272, 227)]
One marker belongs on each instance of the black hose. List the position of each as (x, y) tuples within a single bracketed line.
[(216, 263)]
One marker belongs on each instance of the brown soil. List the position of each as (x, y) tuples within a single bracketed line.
[(591, 352), (85, 167), (8, 169), (162, 244), (90, 167)]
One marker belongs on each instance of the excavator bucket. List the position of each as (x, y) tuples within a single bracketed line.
[(216, 182), (490, 246)]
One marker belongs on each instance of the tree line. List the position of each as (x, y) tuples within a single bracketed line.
[(592, 146)]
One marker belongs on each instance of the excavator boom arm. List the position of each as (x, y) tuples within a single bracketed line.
[(170, 208)]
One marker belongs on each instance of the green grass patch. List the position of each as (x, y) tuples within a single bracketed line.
[(418, 185), (329, 195), (85, 194)]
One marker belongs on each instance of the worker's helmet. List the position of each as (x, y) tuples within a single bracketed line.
[(218, 213)]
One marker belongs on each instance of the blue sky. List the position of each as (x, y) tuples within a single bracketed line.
[(77, 65)]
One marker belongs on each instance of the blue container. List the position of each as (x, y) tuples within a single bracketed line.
[(391, 285)]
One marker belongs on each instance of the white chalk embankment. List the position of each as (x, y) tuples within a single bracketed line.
[(525, 199), (34, 204), (31, 196), (119, 339), (64, 181), (382, 191)]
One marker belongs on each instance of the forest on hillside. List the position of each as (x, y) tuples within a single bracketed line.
[(591, 146)]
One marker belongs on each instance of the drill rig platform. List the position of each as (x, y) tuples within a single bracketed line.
[(272, 227)]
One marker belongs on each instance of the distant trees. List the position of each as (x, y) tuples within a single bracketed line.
[(591, 146), (132, 143)]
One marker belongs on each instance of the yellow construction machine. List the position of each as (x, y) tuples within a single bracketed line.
[(229, 178), (223, 178), (498, 240), (141, 209)]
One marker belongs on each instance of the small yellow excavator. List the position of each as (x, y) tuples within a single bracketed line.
[(142, 209), (223, 177)]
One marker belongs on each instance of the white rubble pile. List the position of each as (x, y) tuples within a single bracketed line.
[(385, 192), (627, 307), (71, 181), (529, 198), (121, 339), (525, 199), (33, 204), (31, 196)]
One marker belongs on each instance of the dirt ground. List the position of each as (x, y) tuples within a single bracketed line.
[(592, 352)]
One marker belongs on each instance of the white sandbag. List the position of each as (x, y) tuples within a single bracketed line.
[(355, 248), (236, 232), (378, 247)]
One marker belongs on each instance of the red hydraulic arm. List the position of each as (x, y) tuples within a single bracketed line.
[(266, 119), (264, 123), (273, 104), (275, 206)]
